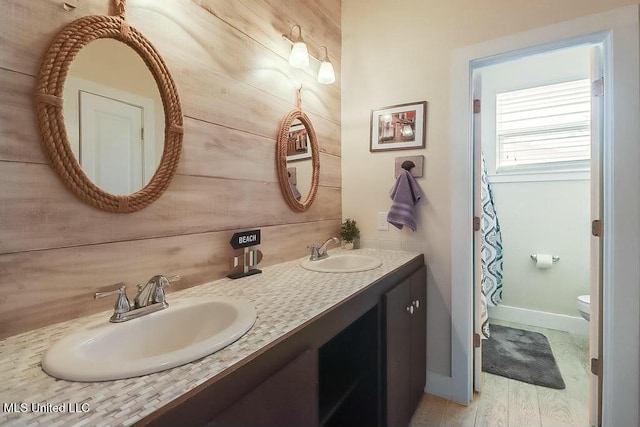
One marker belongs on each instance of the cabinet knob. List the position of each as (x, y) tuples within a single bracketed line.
[(410, 309), (416, 303)]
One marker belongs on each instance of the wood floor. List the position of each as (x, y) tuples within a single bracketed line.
[(509, 403)]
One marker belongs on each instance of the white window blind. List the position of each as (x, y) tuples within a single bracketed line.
[(546, 127)]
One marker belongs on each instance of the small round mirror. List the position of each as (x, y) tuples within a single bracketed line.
[(298, 161), (114, 116)]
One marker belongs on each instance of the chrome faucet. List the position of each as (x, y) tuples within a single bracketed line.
[(150, 298), (152, 292), (320, 252)]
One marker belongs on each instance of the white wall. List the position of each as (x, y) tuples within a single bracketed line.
[(546, 217), (394, 53), (545, 212)]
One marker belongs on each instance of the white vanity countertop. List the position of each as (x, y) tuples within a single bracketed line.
[(284, 295)]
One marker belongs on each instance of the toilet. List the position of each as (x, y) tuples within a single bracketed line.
[(584, 301)]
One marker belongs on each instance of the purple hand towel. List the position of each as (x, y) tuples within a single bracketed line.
[(405, 194)]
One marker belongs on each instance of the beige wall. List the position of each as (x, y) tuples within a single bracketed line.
[(401, 52), (229, 63), (304, 169)]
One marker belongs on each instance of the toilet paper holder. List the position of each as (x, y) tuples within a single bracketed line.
[(554, 258)]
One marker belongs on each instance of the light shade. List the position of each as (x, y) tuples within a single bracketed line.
[(326, 75), (299, 57)]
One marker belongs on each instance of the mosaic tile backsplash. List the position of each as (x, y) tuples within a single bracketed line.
[(284, 295)]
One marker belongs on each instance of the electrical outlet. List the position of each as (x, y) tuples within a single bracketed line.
[(383, 225)]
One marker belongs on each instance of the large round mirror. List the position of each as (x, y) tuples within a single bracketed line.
[(114, 117), (109, 114), (298, 160)]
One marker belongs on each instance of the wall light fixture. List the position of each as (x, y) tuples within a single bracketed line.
[(326, 75), (299, 57)]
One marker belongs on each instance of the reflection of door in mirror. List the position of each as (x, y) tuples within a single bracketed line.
[(114, 116), (299, 158), (110, 135)]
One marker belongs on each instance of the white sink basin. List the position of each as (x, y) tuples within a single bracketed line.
[(342, 263), (187, 330)]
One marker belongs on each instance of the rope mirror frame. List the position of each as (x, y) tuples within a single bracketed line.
[(49, 108), (281, 160)]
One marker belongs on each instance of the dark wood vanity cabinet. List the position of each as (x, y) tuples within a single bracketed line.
[(405, 348), (335, 385), (285, 399), (361, 363)]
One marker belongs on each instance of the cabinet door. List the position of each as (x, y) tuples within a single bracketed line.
[(398, 336), (418, 336), (287, 398)]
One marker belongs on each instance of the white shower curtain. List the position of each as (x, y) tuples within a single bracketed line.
[(491, 249)]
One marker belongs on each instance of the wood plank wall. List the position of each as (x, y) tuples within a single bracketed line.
[(229, 62)]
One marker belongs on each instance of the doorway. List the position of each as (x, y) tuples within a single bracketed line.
[(532, 189), (618, 31)]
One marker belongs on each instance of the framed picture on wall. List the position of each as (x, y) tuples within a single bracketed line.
[(298, 146), (399, 127)]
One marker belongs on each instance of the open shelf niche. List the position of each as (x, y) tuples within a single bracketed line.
[(349, 380)]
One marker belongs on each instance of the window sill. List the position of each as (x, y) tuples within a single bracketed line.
[(540, 176)]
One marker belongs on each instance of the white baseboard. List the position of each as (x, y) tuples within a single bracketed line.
[(542, 319), (439, 385)]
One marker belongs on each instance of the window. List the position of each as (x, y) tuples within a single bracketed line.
[(545, 128)]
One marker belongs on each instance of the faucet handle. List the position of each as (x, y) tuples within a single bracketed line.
[(122, 304), (159, 296), (162, 282), (105, 291), (159, 278), (314, 251)]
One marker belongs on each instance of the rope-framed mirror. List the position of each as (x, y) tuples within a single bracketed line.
[(49, 103), (297, 149)]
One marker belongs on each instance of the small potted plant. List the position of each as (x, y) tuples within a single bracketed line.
[(349, 232)]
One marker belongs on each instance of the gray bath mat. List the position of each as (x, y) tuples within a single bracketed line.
[(521, 355)]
